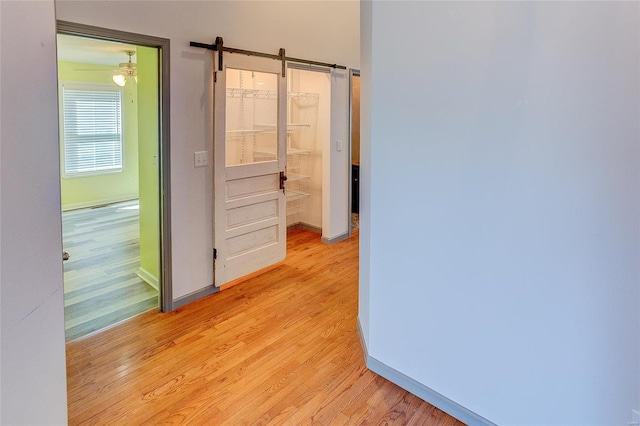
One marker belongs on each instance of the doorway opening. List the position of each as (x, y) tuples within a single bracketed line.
[(354, 137), (114, 170), (308, 137), (270, 133)]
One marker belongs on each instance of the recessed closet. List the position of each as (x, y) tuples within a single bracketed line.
[(251, 133), (308, 126)]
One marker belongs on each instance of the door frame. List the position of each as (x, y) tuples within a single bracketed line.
[(162, 44), (352, 73)]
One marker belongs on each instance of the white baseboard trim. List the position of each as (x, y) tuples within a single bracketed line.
[(148, 278), (421, 391), (86, 204), (336, 239), (363, 342)]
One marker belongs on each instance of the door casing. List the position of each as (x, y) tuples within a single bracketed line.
[(163, 45), (352, 73)]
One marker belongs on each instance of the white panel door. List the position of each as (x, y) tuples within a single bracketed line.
[(249, 160)]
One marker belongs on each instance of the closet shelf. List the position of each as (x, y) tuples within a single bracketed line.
[(233, 92), (304, 98), (290, 151), (240, 133), (298, 151), (295, 177), (266, 128), (297, 127), (291, 127), (269, 154), (301, 97), (296, 195)]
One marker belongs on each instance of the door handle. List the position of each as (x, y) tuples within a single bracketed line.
[(283, 179), (65, 256)]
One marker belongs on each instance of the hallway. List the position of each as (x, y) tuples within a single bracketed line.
[(279, 348)]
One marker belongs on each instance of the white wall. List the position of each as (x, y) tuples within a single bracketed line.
[(0, 217), (503, 204), (323, 31), (335, 175), (366, 73), (32, 362)]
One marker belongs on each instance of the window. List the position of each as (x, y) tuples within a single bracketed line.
[(91, 129)]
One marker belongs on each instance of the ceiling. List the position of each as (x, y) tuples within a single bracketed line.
[(92, 51)]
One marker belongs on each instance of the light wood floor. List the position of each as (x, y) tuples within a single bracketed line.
[(101, 285), (280, 348)]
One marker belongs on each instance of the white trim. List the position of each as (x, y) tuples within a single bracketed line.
[(421, 391), (336, 239), (101, 202), (148, 278), (363, 342), (164, 66)]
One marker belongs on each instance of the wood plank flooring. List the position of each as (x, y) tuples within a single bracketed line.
[(101, 287), (279, 348)]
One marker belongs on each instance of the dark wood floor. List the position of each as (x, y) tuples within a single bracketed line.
[(101, 285), (279, 348)]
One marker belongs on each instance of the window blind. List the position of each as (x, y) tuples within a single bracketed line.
[(92, 130)]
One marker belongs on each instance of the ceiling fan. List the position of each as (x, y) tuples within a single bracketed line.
[(126, 70)]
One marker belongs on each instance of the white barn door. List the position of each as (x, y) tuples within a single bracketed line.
[(249, 160)]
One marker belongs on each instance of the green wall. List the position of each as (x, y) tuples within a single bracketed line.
[(149, 183), (89, 191), (140, 177)]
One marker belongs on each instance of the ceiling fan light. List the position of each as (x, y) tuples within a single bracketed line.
[(120, 79)]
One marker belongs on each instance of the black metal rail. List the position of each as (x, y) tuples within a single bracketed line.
[(281, 56)]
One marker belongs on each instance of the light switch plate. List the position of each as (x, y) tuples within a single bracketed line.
[(339, 145), (200, 158)]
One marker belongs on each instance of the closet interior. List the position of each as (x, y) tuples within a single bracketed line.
[(308, 112), (251, 133)]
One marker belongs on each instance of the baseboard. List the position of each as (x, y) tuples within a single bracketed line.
[(86, 204), (192, 297), (363, 341), (148, 278), (427, 394), (337, 239), (302, 225)]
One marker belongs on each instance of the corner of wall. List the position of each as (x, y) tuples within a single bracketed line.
[(32, 361), (427, 394), (365, 168)]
